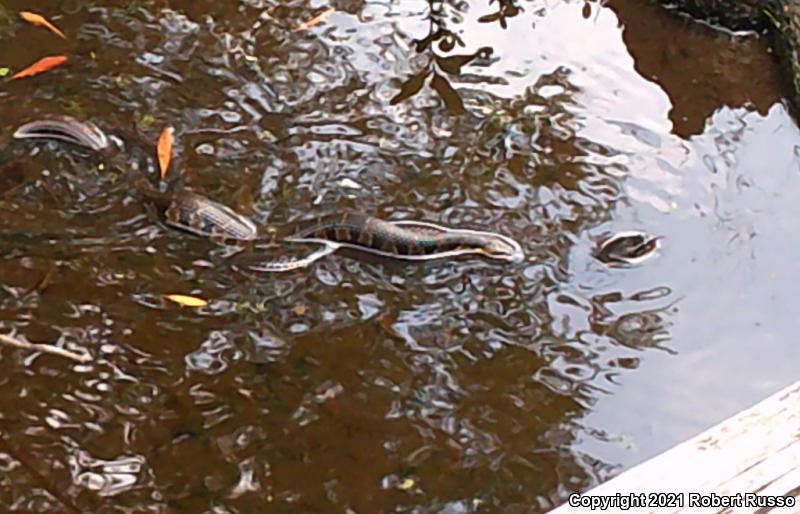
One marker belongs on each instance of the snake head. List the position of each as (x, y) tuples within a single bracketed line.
[(503, 248), (627, 248)]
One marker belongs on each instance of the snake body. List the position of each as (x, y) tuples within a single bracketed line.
[(403, 240), (199, 215), (184, 209), (179, 207)]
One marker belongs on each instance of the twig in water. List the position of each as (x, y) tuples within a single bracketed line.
[(45, 348), (316, 20)]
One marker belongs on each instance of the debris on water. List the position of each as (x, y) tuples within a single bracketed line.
[(164, 150), (315, 20), (406, 484), (41, 21), (145, 121), (350, 183), (186, 300), (44, 348), (40, 66)]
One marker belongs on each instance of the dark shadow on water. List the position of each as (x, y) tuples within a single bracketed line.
[(703, 69)]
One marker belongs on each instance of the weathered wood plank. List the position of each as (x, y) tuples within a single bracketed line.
[(756, 451)]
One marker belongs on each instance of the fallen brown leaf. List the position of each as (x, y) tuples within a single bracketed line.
[(43, 64), (41, 21), (315, 20), (164, 150)]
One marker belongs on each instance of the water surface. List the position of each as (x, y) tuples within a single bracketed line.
[(363, 385)]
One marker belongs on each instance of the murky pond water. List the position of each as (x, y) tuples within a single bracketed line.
[(363, 385)]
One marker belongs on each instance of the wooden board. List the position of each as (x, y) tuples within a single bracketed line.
[(756, 451)]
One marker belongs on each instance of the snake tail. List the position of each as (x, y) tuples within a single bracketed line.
[(291, 263)]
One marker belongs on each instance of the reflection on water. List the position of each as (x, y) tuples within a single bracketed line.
[(363, 385)]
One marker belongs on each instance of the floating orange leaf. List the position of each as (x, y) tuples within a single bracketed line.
[(43, 64), (164, 150), (315, 20), (41, 21), (185, 300)]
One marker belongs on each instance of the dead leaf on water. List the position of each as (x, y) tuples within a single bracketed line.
[(315, 20), (164, 150), (43, 64), (41, 21), (186, 300)]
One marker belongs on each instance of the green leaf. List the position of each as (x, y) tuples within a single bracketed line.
[(145, 121)]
